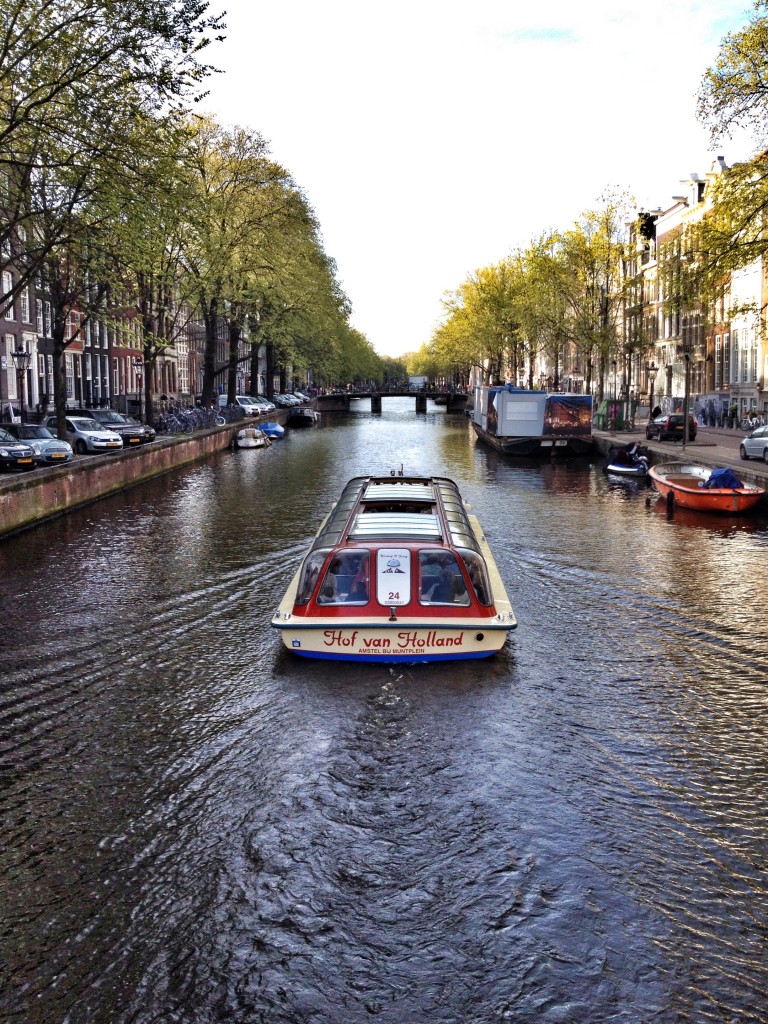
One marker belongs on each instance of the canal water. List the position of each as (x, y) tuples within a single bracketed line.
[(198, 827)]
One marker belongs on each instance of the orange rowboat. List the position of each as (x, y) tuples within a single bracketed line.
[(689, 487)]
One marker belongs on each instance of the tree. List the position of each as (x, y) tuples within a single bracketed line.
[(734, 91), (482, 322), (73, 77), (242, 202)]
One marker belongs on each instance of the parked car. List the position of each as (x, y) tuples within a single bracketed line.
[(270, 406), (86, 435), (149, 432), (15, 454), (258, 405), (49, 450), (302, 397), (246, 403), (755, 445), (286, 401), (670, 427), (133, 434)]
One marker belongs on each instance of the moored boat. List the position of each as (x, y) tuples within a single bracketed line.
[(302, 417), (399, 571), (704, 489), (629, 460), (518, 422), (252, 437), (272, 429)]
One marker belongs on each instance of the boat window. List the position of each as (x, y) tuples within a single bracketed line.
[(347, 580), (440, 579), (478, 576), (310, 574)]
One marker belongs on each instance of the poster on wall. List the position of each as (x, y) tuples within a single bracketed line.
[(568, 414)]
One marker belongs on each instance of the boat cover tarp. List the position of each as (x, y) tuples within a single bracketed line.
[(724, 477)]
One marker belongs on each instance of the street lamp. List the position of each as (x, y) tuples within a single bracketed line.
[(653, 369), (138, 369), (21, 360)]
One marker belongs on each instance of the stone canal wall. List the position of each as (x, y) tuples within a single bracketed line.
[(30, 498)]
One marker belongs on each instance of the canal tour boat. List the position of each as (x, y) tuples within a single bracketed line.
[(704, 489), (399, 571)]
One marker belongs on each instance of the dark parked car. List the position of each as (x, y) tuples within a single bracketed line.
[(132, 434), (49, 450), (15, 454), (670, 427), (149, 432)]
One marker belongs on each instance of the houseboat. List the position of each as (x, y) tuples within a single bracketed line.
[(533, 423), (399, 571)]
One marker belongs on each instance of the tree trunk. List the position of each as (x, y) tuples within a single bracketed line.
[(211, 321), (234, 344), (270, 354)]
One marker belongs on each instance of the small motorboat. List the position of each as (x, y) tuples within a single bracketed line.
[(399, 571), (252, 437), (272, 429), (302, 417), (631, 460), (704, 489)]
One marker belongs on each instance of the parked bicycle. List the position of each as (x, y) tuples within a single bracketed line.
[(172, 422), (750, 422), (184, 421)]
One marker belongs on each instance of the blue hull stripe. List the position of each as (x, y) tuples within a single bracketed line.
[(389, 658)]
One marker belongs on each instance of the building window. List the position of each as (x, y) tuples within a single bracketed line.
[(25, 317), (10, 346), (39, 317), (70, 373), (743, 358), (7, 289)]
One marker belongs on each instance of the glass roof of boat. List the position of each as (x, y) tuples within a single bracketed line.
[(406, 492), (396, 526), (392, 509)]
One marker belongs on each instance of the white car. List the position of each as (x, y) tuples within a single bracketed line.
[(249, 405), (86, 435), (755, 445)]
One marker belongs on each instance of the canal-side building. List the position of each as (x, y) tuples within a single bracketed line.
[(716, 353)]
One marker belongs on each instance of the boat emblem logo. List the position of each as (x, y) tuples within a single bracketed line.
[(394, 565)]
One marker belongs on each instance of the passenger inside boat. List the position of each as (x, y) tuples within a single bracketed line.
[(347, 579), (441, 579)]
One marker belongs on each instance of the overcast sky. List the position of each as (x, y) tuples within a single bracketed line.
[(434, 137)]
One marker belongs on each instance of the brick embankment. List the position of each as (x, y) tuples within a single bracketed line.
[(30, 498)]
